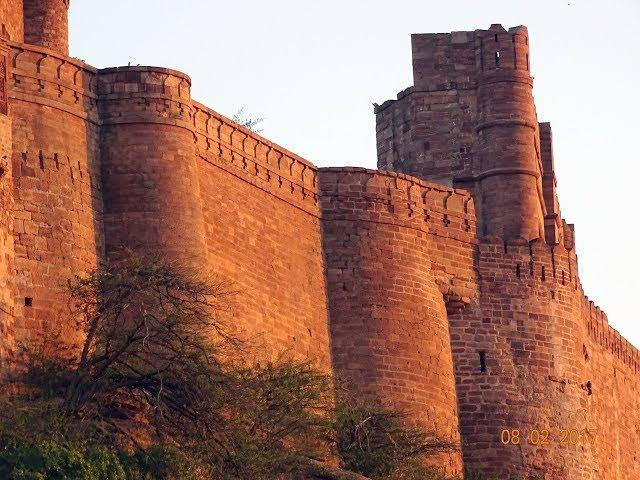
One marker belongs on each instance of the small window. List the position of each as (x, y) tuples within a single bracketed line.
[(483, 361), (497, 59), (28, 302)]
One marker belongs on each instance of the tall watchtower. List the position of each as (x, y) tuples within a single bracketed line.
[(470, 121)]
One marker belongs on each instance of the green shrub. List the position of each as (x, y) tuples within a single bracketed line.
[(50, 460)]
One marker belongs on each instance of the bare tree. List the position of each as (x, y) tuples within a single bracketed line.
[(246, 121)]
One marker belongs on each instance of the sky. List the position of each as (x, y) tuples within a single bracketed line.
[(314, 68)]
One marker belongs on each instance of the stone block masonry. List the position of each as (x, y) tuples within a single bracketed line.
[(445, 285), (535, 362)]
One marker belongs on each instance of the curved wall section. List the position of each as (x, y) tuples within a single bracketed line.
[(388, 321), (56, 179), (150, 175), (46, 24), (519, 365)]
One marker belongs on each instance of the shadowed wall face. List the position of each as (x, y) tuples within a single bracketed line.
[(46, 24)]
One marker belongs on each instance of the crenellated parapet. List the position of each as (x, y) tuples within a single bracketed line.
[(445, 214), (255, 159), (608, 337), (145, 94), (44, 77), (445, 285), (470, 121)]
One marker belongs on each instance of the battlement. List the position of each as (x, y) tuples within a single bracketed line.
[(48, 78), (459, 60), (259, 161), (608, 337)]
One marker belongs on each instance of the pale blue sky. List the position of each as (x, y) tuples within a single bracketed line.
[(313, 68)]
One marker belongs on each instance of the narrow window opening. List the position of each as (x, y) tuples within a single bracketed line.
[(41, 159), (543, 274), (496, 37), (497, 59), (518, 270), (55, 159), (483, 361), (563, 277), (589, 388), (28, 302), (505, 246)]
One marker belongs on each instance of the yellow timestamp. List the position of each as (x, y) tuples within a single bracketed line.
[(565, 437)]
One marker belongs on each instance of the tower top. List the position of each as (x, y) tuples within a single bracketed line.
[(442, 60)]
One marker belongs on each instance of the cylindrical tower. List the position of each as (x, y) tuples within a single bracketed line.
[(508, 172), (12, 20), (150, 176), (388, 320), (522, 384), (46, 24)]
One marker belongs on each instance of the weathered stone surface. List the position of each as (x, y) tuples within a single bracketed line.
[(461, 306), (532, 355)]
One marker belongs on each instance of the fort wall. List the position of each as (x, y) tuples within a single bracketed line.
[(149, 170), (262, 226), (462, 306), (57, 187), (470, 121), (528, 349), (7, 327), (388, 319), (613, 369)]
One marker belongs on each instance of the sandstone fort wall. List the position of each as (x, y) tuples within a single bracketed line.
[(57, 217), (262, 221), (462, 306)]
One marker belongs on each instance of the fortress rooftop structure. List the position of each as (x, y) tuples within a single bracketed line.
[(445, 284)]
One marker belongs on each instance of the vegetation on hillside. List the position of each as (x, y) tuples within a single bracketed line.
[(159, 389)]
